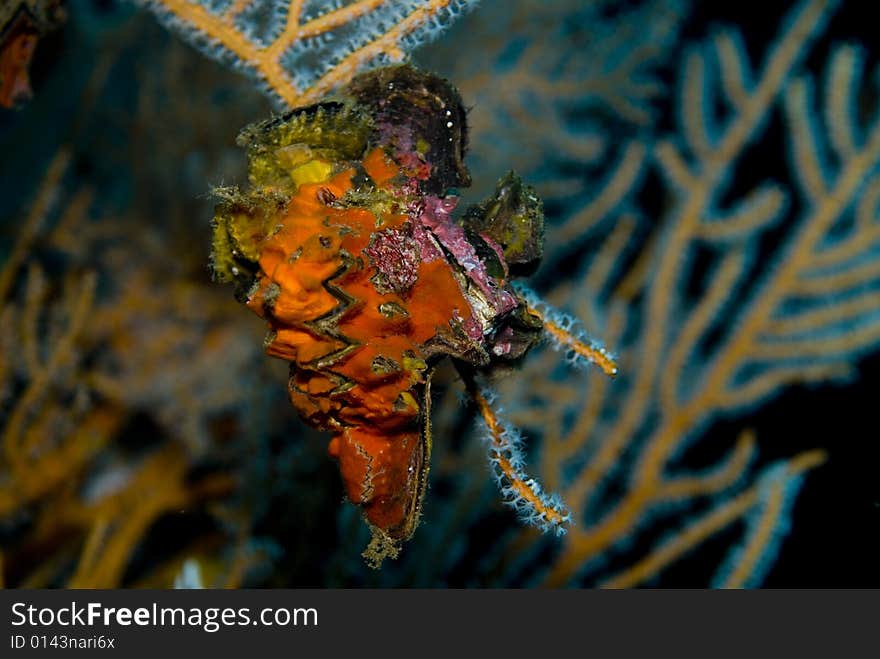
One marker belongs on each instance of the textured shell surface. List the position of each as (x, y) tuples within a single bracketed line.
[(345, 243)]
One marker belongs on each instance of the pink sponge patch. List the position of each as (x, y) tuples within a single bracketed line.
[(395, 255)]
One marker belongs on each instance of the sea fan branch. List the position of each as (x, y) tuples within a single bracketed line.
[(366, 31)]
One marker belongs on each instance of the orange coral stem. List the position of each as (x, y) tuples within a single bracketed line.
[(264, 60), (524, 487), (597, 356)]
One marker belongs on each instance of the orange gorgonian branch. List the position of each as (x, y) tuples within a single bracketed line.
[(301, 50)]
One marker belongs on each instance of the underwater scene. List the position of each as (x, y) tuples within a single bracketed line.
[(439, 293)]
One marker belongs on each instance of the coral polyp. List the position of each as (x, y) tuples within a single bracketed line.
[(346, 244)]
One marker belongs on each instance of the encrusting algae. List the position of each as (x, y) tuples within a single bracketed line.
[(346, 245)]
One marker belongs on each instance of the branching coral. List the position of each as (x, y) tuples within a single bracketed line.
[(103, 441), (690, 258), (567, 67), (302, 49), (751, 330), (60, 468)]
